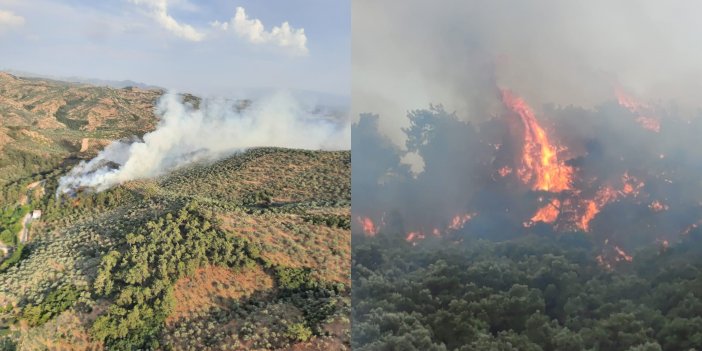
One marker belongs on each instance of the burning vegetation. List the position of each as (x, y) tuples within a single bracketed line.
[(553, 228), (620, 174)]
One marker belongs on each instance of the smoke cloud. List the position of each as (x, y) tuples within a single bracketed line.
[(477, 96), (219, 127), (408, 54)]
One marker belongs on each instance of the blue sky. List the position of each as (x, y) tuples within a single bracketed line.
[(174, 43)]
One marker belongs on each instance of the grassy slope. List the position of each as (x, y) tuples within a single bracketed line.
[(292, 205), (45, 125)]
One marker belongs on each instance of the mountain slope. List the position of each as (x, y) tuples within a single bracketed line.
[(249, 252), (44, 122)]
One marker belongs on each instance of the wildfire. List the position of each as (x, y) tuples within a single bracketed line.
[(547, 214), (663, 244), (368, 226), (691, 227), (622, 254), (638, 108), (628, 188), (504, 171), (602, 262), (593, 207), (458, 221), (540, 165), (572, 200), (649, 123), (632, 186), (414, 236), (657, 206)]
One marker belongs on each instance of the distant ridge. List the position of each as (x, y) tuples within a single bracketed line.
[(92, 81)]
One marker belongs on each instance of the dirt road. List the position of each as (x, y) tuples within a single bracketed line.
[(23, 235)]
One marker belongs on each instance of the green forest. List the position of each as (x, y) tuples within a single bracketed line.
[(528, 294), (103, 270)]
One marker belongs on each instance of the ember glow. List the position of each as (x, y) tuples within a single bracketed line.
[(632, 186), (643, 111), (415, 236), (622, 254), (458, 221), (657, 206), (504, 171), (368, 226), (540, 165), (691, 228)]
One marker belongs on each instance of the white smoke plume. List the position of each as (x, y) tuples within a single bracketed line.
[(217, 129)]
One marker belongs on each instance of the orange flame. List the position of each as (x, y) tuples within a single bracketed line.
[(622, 254), (628, 188), (368, 226), (414, 236), (591, 210), (504, 171), (593, 207), (649, 123), (548, 213), (458, 221), (632, 186), (657, 206), (540, 164), (628, 102), (639, 108)]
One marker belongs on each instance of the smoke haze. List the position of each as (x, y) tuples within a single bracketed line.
[(407, 54), (548, 118), (219, 127)]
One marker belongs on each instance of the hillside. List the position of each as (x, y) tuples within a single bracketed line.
[(249, 252), (44, 122)]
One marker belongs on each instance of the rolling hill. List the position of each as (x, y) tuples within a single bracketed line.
[(249, 252)]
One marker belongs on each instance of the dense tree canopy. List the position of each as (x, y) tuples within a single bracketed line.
[(529, 294)]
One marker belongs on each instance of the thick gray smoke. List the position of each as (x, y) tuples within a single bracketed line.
[(218, 128), (566, 59), (408, 54)]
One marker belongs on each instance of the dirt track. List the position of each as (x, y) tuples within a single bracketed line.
[(23, 235)]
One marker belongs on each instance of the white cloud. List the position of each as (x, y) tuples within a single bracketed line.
[(159, 11), (252, 29), (10, 20)]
